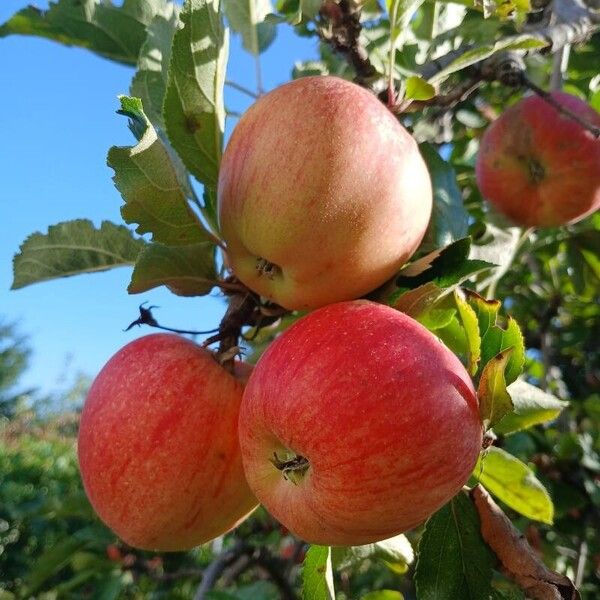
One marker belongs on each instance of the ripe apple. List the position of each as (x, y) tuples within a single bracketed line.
[(322, 195), (540, 167), (357, 424), (158, 445)]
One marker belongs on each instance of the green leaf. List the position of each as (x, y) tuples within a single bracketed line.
[(507, 594), (150, 81), (185, 270), (494, 400), (418, 89), (506, 9), (296, 11), (154, 189), (454, 561), (247, 17), (583, 252), (395, 552), (309, 68), (115, 32), (76, 581), (576, 267), (531, 406), (437, 318), (425, 281), (400, 12), (220, 595), (383, 595), (514, 483), (499, 246), (454, 336), (317, 574), (417, 302), (53, 559), (310, 8), (475, 55), (495, 339), (193, 111), (72, 248), (449, 219), (110, 588), (263, 590), (446, 267)]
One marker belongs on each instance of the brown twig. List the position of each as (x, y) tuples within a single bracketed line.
[(547, 97), (147, 318), (340, 27), (217, 567), (275, 568), (245, 309), (240, 558), (508, 69)]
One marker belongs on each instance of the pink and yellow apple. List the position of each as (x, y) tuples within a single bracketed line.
[(540, 167), (322, 196), (357, 424), (158, 445)]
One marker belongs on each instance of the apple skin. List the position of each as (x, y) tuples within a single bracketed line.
[(158, 445), (385, 414), (321, 180), (541, 168)]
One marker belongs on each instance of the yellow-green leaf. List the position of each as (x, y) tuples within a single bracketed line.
[(418, 89), (494, 400), (317, 574), (531, 406), (468, 318), (494, 338), (515, 484)]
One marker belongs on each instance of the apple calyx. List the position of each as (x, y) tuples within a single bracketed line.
[(267, 268), (536, 171), (293, 469)]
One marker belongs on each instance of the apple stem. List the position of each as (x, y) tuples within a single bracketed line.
[(293, 469)]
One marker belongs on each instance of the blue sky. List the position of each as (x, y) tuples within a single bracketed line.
[(57, 121)]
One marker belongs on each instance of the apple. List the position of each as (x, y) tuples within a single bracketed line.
[(113, 552), (322, 194), (540, 167), (357, 424), (158, 445)]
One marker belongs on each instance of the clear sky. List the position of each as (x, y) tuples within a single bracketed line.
[(57, 122)]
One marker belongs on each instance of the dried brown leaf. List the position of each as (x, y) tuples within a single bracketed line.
[(518, 559)]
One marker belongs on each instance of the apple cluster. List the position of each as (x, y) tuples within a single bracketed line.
[(357, 423)]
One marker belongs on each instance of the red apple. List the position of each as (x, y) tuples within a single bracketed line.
[(540, 167), (114, 553), (158, 445), (357, 424), (323, 195)]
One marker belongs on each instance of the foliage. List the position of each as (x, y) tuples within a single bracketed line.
[(529, 354), (14, 355)]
